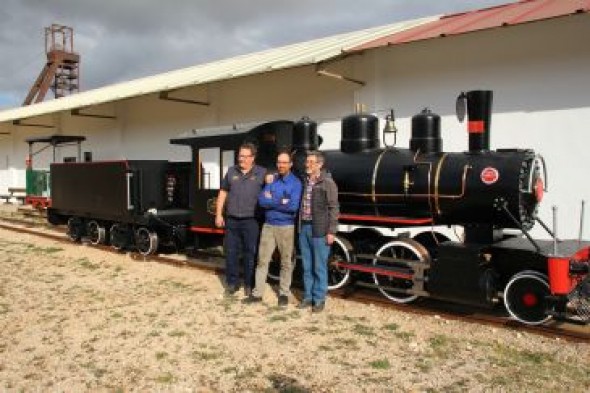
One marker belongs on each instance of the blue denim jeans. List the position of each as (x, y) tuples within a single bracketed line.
[(314, 254), (241, 238)]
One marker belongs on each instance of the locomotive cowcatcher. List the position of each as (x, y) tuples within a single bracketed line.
[(394, 206)]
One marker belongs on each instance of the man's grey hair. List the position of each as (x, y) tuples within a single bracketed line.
[(319, 156)]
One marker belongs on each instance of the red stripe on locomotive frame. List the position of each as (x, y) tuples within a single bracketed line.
[(207, 230), (476, 127), (389, 220)]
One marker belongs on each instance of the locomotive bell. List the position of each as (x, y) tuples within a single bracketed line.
[(426, 132)]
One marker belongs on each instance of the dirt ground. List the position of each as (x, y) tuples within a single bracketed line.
[(74, 318)]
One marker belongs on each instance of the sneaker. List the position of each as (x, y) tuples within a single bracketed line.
[(252, 299), (318, 307), (247, 291), (283, 301), (304, 304)]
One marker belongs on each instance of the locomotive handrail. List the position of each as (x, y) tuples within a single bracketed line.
[(128, 176)]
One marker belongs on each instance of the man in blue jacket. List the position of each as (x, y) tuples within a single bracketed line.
[(280, 199)]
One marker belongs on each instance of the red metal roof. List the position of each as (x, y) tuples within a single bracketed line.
[(487, 18)]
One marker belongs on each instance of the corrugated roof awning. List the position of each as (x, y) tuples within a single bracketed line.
[(304, 53), (503, 15)]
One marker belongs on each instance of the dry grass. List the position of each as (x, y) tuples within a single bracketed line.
[(76, 319)]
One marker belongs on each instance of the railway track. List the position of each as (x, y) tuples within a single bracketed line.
[(427, 307)]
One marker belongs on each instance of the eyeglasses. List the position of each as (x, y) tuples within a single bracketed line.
[(283, 162), (245, 156)]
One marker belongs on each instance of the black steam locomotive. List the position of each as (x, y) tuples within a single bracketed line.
[(493, 195)]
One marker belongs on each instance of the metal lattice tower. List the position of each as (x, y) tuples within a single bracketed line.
[(62, 70)]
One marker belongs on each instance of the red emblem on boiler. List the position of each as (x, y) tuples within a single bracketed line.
[(489, 175)]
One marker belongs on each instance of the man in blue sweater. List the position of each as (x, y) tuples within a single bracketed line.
[(280, 199)]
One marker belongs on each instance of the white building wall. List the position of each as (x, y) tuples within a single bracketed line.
[(539, 73)]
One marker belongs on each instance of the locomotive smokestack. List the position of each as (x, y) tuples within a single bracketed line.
[(479, 116)]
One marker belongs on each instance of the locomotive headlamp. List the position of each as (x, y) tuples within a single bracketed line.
[(390, 129)]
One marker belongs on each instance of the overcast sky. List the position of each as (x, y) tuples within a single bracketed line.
[(120, 40)]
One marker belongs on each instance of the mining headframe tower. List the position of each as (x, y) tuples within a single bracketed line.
[(61, 72)]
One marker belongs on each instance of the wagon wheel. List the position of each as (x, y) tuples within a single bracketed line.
[(96, 233), (339, 252), (398, 249), (119, 236), (524, 297), (146, 241), (75, 229)]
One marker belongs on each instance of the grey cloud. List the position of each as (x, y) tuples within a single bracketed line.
[(122, 40)]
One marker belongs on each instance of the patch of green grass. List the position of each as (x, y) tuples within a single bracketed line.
[(406, 336), (391, 327), (161, 355), (86, 264), (348, 342), (166, 377), (176, 333), (286, 384), (278, 318), (92, 368), (381, 364), (204, 355), (363, 330)]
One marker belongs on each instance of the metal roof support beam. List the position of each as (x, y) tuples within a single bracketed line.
[(324, 72), (19, 123), (165, 95), (78, 112)]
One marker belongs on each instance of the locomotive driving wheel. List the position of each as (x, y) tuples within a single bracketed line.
[(146, 241), (97, 233), (339, 252), (524, 297), (391, 286)]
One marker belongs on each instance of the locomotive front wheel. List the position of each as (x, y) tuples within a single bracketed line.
[(524, 297), (339, 252), (398, 249), (97, 234), (146, 241), (75, 229)]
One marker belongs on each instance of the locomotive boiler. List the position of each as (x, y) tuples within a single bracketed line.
[(480, 188)]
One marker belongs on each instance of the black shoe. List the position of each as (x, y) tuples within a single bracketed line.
[(252, 299), (231, 290), (283, 301), (304, 304), (247, 291), (318, 307)]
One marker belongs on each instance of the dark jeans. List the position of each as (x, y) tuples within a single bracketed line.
[(241, 238)]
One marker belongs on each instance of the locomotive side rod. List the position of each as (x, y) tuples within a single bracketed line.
[(382, 271)]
